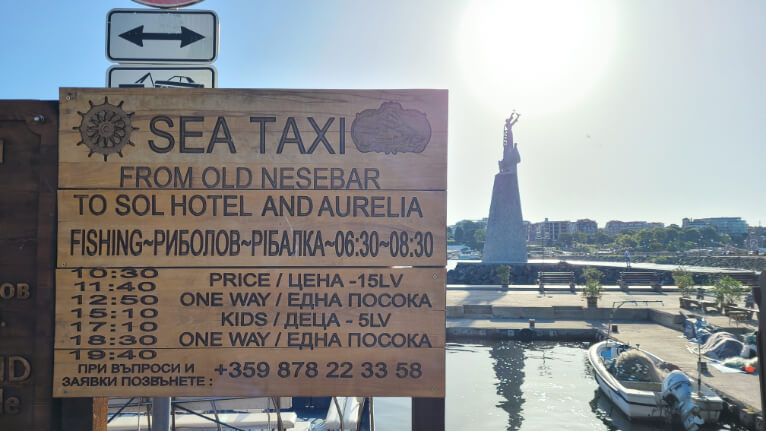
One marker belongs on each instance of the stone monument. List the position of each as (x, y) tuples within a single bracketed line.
[(506, 240)]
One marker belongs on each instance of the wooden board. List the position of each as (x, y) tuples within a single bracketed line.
[(404, 134), (27, 242), (258, 308), (339, 372), (260, 228), (163, 190)]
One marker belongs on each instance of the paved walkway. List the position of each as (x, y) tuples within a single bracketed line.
[(669, 344), (528, 296), (620, 264)]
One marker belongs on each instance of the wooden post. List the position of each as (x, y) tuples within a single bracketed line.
[(428, 414), (161, 414), (84, 414), (100, 413)]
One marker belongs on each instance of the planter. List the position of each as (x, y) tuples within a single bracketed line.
[(592, 301)]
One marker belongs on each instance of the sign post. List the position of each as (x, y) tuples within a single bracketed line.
[(170, 76), (251, 243)]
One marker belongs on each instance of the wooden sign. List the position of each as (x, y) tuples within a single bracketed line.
[(253, 139), (174, 228), (27, 210), (251, 242)]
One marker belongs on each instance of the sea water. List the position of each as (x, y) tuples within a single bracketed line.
[(510, 385)]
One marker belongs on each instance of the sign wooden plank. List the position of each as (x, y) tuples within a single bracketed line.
[(247, 176), (180, 308), (234, 327), (397, 137), (167, 228), (251, 372), (237, 232)]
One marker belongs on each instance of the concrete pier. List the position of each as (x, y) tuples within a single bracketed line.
[(493, 312)]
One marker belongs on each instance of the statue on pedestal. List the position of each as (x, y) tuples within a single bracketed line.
[(511, 156), (506, 237)]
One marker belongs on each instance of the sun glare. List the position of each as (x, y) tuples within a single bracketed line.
[(535, 55)]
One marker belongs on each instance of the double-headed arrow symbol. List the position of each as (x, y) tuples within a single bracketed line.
[(138, 36)]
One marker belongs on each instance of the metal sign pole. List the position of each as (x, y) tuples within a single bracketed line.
[(428, 414), (161, 414)]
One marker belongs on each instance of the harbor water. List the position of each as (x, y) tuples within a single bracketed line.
[(511, 385)]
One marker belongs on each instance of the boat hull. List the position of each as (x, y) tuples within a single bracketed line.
[(647, 403)]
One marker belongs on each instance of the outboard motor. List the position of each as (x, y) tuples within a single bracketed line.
[(677, 392)]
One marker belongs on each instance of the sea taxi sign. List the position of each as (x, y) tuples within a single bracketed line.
[(221, 242)]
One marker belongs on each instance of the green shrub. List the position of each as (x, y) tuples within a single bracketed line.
[(727, 290), (684, 281), (504, 273), (593, 285)]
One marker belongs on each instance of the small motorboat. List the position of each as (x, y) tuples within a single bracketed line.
[(645, 387)]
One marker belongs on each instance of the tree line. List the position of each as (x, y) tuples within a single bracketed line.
[(672, 238)]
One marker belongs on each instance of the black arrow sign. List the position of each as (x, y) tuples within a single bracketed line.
[(138, 36)]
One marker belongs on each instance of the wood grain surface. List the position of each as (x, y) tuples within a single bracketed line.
[(334, 377), (263, 128), (190, 185), (187, 301)]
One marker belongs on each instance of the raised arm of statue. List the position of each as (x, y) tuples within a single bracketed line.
[(511, 155)]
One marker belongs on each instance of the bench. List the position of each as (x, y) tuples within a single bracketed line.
[(637, 278), (544, 278), (733, 310), (747, 279), (737, 316), (704, 305), (689, 303), (699, 304)]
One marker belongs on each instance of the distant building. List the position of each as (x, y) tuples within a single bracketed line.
[(756, 235), (528, 230), (613, 227), (723, 225), (754, 242), (586, 226), (550, 230)]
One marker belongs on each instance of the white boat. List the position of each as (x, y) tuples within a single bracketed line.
[(673, 393)]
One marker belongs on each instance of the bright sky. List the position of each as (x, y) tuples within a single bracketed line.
[(630, 110)]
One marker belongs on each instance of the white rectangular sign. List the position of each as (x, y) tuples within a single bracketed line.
[(145, 76), (159, 36)]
